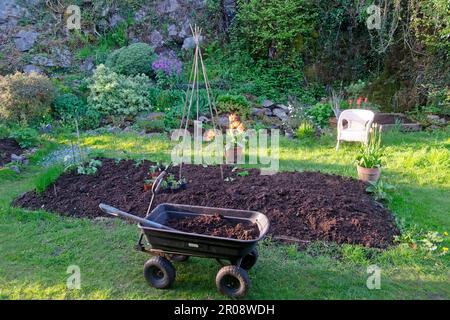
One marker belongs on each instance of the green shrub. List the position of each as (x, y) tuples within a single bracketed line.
[(305, 130), (151, 125), (238, 104), (69, 107), (25, 97), (44, 180), (25, 136), (266, 29), (118, 95), (320, 114), (4, 131), (135, 59)]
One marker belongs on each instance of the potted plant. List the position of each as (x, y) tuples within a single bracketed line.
[(370, 157)]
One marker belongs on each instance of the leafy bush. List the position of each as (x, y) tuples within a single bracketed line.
[(380, 190), (320, 114), (25, 97), (305, 130), (4, 131), (238, 104), (133, 60), (151, 125), (89, 169), (119, 95), (266, 29), (69, 107), (168, 69), (25, 136)]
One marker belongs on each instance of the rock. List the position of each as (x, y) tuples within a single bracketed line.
[(11, 12), (140, 15), (434, 127), (42, 61), (24, 40), (172, 30), (127, 129), (436, 120), (88, 65), (115, 20), (113, 130), (189, 43), (267, 111), (63, 56), (29, 68), (432, 117), (280, 114), (16, 158), (257, 112), (267, 103), (15, 169), (283, 107), (156, 39), (167, 6)]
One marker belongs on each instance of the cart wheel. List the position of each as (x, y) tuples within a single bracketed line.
[(250, 259), (177, 257), (232, 281), (159, 272)]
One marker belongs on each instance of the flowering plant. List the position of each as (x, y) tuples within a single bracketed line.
[(168, 69)]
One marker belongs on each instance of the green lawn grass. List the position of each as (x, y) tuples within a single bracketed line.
[(38, 247)]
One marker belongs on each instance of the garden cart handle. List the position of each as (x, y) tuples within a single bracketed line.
[(155, 188), (119, 213)]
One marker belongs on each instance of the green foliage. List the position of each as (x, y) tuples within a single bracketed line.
[(119, 95), (89, 169), (371, 154), (25, 136), (151, 125), (133, 60), (69, 107), (380, 190), (238, 104), (44, 180), (25, 97), (305, 130), (266, 29), (4, 131), (320, 114)]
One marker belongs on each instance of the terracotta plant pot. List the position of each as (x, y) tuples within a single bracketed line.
[(233, 154), (368, 174)]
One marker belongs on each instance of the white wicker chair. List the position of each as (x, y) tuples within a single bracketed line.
[(357, 126)]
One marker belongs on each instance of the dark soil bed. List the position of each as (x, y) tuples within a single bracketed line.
[(7, 148), (217, 226), (300, 205)]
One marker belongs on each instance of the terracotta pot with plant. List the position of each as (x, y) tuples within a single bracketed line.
[(370, 157)]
